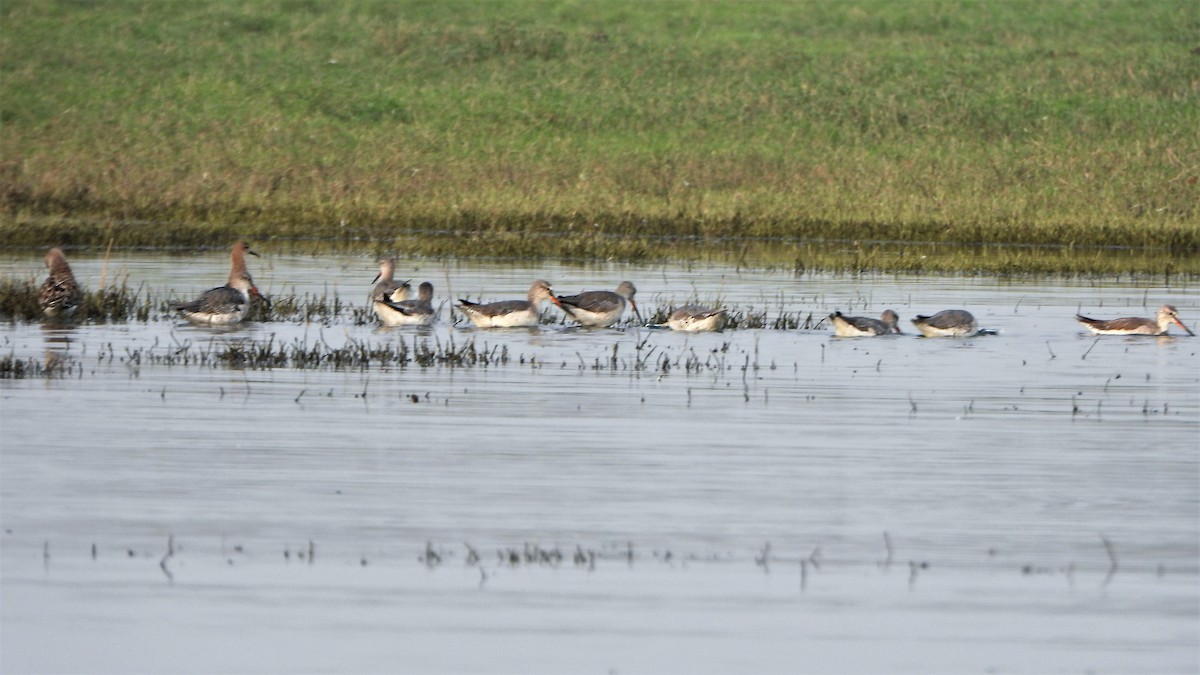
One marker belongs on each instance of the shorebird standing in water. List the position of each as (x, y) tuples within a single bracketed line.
[(947, 323), (387, 288), (417, 312), (1134, 325), (509, 313), (599, 308), (229, 303), (865, 326), (696, 319), (59, 295)]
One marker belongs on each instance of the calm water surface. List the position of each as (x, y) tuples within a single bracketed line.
[(958, 505)]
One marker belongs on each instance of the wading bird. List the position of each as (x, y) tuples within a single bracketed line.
[(947, 323), (599, 308), (387, 288), (417, 312), (229, 303), (59, 295), (509, 313), (1135, 325), (696, 319), (865, 326)]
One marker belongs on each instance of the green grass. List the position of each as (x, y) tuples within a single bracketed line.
[(558, 129)]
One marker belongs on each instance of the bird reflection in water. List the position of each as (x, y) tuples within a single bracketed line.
[(58, 336)]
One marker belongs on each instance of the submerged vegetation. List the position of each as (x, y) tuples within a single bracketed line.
[(418, 350), (119, 303), (19, 302), (612, 130)]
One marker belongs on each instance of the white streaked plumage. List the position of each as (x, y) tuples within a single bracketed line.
[(60, 295)]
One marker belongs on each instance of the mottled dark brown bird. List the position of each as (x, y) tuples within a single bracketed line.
[(60, 294)]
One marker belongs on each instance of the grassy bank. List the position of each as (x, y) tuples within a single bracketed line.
[(573, 125)]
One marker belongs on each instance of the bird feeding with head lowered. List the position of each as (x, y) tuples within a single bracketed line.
[(947, 323), (865, 326)]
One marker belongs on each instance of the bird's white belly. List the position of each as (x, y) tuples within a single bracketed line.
[(392, 317), (693, 325), (520, 319), (595, 319), (966, 330), (217, 318), (842, 328)]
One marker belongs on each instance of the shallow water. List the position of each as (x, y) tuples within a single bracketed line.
[(1008, 472)]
